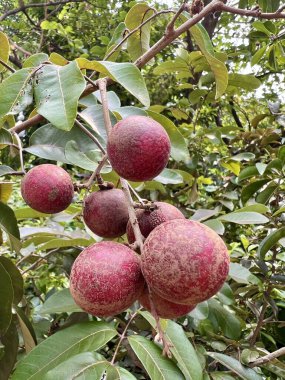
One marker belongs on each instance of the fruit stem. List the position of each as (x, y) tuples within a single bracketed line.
[(161, 335)]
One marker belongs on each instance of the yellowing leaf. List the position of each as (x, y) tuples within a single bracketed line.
[(233, 166), (5, 191), (4, 50)]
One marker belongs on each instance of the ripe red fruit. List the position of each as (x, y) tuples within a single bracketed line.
[(106, 279), (149, 219), (47, 188), (106, 213), (185, 261), (138, 148), (164, 309)]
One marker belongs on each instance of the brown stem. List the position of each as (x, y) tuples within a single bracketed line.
[(170, 26), (259, 324), (95, 174), (7, 66), (123, 336), (268, 358)]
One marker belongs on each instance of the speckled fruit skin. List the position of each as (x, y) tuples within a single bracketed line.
[(106, 213), (47, 188), (106, 279), (148, 220), (164, 309), (138, 148), (185, 261)]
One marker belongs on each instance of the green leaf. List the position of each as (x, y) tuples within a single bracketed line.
[(27, 330), (60, 302), (260, 26), (61, 243), (265, 195), (183, 352), (76, 367), (246, 217), (169, 176), (258, 55), (177, 65), (49, 142), (8, 223), (218, 67), (18, 96), (57, 90), (248, 172), (4, 50), (257, 207), (157, 366), (117, 37), (247, 82), (80, 159), (226, 295), (179, 149), (138, 43), (10, 342), (242, 275), (6, 170), (27, 212), (6, 299), (235, 366), (248, 191), (201, 311), (269, 242), (215, 225), (229, 324), (82, 337), (126, 74), (16, 279), (35, 60)]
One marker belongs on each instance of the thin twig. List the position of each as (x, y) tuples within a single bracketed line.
[(89, 134), (96, 173), (7, 66), (39, 260), (20, 147), (123, 336), (103, 92), (170, 26), (268, 358), (259, 324)]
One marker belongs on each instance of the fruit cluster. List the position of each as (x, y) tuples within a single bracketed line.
[(182, 262)]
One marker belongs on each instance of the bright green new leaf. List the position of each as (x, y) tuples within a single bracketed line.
[(4, 50), (233, 166), (79, 338), (218, 67), (15, 92), (138, 42), (157, 366), (57, 90)]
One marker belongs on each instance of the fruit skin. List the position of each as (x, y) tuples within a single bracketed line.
[(47, 188), (106, 279), (164, 309), (185, 261), (148, 220), (138, 148), (106, 213)]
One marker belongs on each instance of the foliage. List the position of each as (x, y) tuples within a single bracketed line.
[(218, 90)]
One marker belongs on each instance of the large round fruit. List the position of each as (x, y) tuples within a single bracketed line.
[(149, 219), (47, 188), (185, 261), (106, 279), (164, 309), (138, 148), (106, 213)]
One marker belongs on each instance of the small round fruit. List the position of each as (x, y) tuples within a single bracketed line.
[(138, 148), (164, 309), (149, 219), (106, 279), (185, 261), (106, 213), (47, 188)]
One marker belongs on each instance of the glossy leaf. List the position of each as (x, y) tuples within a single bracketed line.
[(157, 366), (179, 149), (15, 277), (138, 43), (4, 50), (8, 223), (60, 302), (19, 95), (249, 190), (269, 242), (219, 69), (247, 217), (169, 176), (235, 366), (242, 275), (215, 225), (82, 337), (6, 299), (57, 90)]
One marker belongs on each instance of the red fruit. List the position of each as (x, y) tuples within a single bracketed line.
[(185, 261), (47, 188), (106, 213), (148, 220), (106, 279), (164, 309), (138, 148)]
